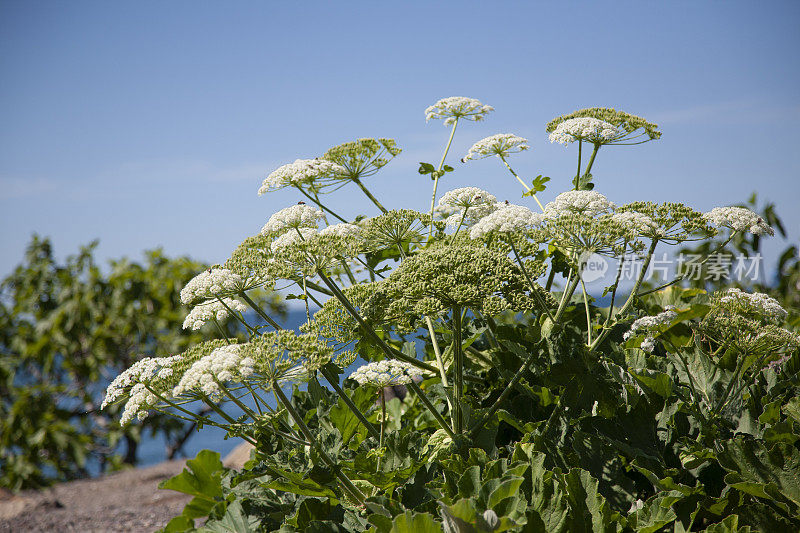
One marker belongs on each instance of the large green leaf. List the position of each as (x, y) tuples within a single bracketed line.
[(234, 521), (202, 479), (654, 515), (772, 473), (410, 522)]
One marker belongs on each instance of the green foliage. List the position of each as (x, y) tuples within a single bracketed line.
[(533, 408), (65, 330)]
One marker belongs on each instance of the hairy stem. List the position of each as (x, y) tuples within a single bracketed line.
[(343, 479), (439, 169), (258, 310), (503, 159), (369, 195)]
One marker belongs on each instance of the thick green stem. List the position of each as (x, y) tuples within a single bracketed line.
[(613, 295), (686, 275), (591, 159), (334, 381), (321, 206), (343, 479), (258, 310), (536, 295), (382, 397), (475, 429), (369, 195), (389, 352), (588, 315), (439, 170), (578, 173), (458, 359), (624, 309), (234, 314), (503, 159), (568, 292)]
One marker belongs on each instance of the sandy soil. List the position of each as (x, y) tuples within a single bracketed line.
[(128, 501), (123, 501)]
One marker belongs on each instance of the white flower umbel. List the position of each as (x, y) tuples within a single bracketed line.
[(500, 145), (738, 219), (638, 222), (138, 404), (343, 230), (756, 303), (386, 373), (205, 312), (590, 203), (508, 219), (301, 172), (133, 382), (647, 324), (289, 238), (585, 129), (211, 283), (293, 217), (456, 107), (470, 204), (224, 364)]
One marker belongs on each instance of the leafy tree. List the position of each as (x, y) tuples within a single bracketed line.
[(65, 331)]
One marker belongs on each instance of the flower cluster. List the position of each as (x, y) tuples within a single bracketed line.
[(216, 310), (136, 382), (455, 107), (224, 364), (585, 129), (362, 157), (638, 222), (211, 283), (738, 219), (142, 371), (301, 172), (344, 230), (287, 240), (626, 123), (283, 356), (293, 217), (459, 274), (468, 205), (674, 222), (386, 373), (650, 325), (394, 228), (589, 203), (509, 219), (755, 304), (500, 145)]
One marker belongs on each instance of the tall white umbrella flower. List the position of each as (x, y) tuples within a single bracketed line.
[(738, 219), (454, 108), (212, 283), (585, 129), (500, 145), (469, 204), (301, 173), (509, 219), (214, 310), (292, 218), (589, 203)]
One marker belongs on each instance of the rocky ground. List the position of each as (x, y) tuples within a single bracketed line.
[(128, 501)]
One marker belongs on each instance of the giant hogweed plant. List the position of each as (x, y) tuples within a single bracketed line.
[(494, 395)]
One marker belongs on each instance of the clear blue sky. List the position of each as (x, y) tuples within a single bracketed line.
[(151, 124)]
